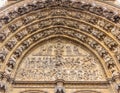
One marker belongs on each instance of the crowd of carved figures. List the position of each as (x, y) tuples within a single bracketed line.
[(108, 41), (101, 11), (60, 60), (59, 21), (84, 25), (102, 52)]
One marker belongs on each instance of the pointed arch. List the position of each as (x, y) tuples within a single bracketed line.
[(31, 21)]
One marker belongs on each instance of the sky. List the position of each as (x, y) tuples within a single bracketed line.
[(2, 2)]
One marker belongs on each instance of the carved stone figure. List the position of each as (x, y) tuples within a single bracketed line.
[(22, 10), (13, 14), (11, 63), (13, 27), (18, 53), (2, 57), (2, 37), (59, 60), (26, 44), (116, 19), (118, 88), (91, 24), (10, 45), (6, 19)]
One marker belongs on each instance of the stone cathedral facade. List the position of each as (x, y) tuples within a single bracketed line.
[(60, 46)]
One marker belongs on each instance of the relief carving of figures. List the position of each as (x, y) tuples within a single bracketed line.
[(2, 57), (2, 37), (117, 88), (60, 59)]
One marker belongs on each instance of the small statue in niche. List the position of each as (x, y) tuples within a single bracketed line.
[(19, 36), (6, 19), (11, 63), (2, 57), (10, 45), (26, 20), (18, 53), (2, 87), (13, 27), (13, 14), (26, 44), (118, 88), (93, 20), (22, 10), (116, 19), (2, 37), (86, 6)]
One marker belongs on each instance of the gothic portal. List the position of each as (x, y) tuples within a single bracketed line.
[(60, 46)]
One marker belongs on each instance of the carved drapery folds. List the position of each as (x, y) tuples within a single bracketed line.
[(90, 24)]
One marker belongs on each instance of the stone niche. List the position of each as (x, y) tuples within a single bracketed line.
[(60, 59)]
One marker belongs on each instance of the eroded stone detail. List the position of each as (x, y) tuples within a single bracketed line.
[(111, 44), (60, 59), (110, 15), (108, 41), (17, 39)]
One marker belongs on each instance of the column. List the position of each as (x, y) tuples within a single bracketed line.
[(59, 87)]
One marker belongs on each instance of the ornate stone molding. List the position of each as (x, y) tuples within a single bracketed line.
[(96, 27), (60, 59)]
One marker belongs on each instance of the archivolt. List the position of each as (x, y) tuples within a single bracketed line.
[(93, 26), (58, 35), (89, 41)]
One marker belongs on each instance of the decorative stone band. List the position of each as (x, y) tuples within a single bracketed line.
[(110, 15), (14, 27), (6, 20), (95, 32), (42, 34)]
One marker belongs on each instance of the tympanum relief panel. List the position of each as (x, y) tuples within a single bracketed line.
[(60, 59)]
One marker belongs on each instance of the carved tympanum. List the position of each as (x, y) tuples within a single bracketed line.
[(60, 59)]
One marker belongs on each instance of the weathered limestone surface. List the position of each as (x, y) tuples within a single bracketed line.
[(60, 46)]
